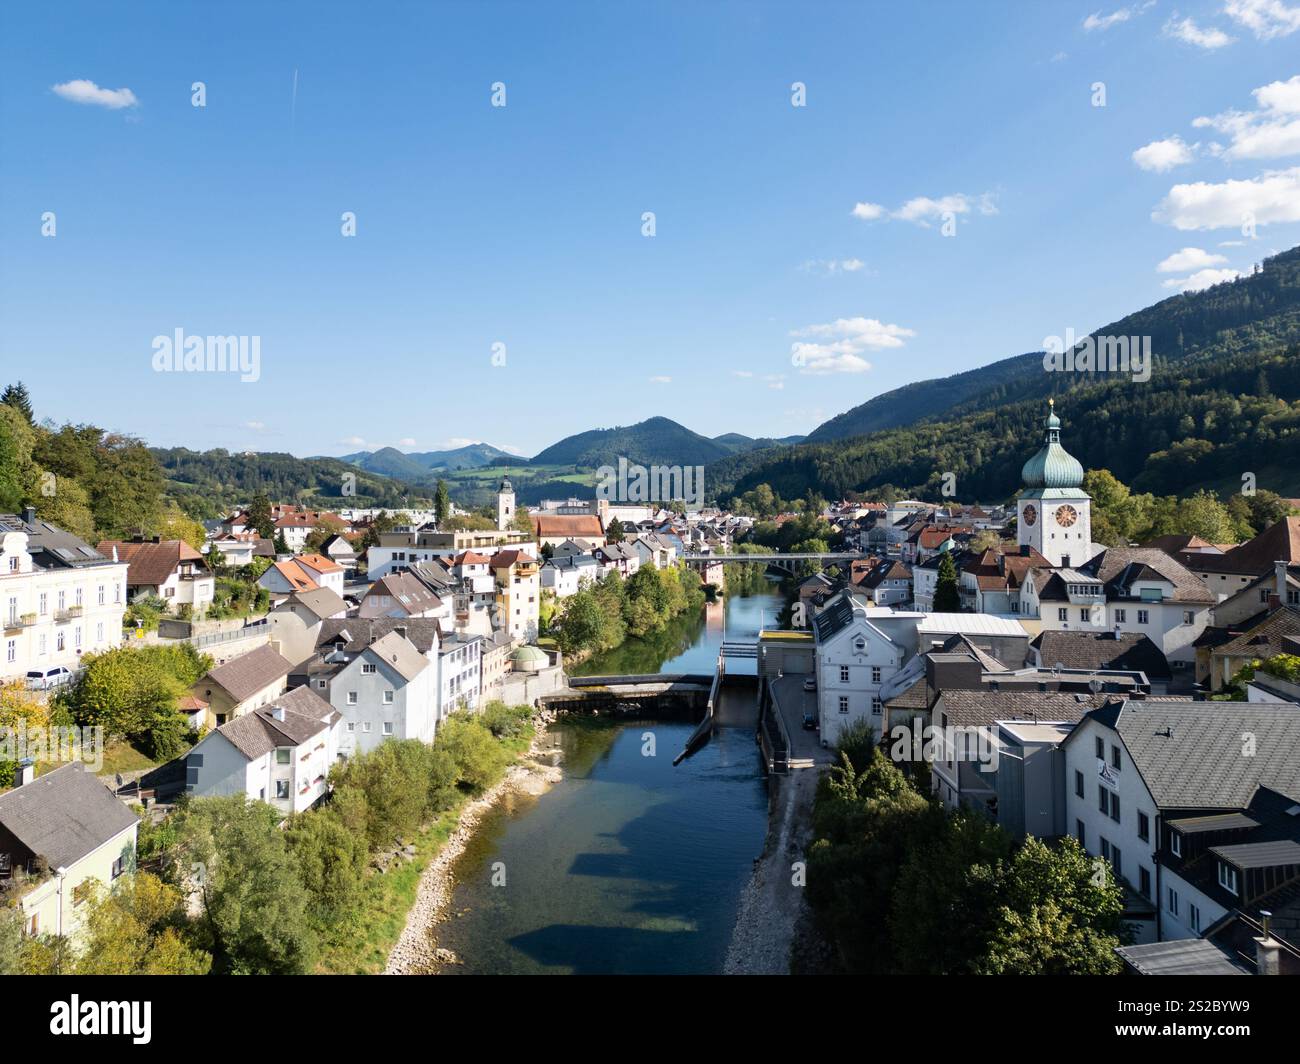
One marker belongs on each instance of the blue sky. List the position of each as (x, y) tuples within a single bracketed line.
[(522, 225)]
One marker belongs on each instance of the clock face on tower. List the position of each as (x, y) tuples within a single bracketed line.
[(1031, 514), (1066, 516)]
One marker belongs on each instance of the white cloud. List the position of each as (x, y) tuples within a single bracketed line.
[(1162, 155), (1190, 259), (1098, 21), (741, 373), (83, 91), (922, 210), (353, 441), (661, 380), (838, 346), (1265, 18), (1186, 30), (1271, 131), (1273, 196), (256, 426), (406, 441), (1202, 279), (830, 267)]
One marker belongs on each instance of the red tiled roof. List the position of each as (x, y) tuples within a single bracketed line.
[(150, 564)]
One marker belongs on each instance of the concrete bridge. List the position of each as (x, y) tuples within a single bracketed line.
[(786, 562)]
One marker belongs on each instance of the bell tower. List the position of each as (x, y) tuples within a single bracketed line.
[(505, 505), (1054, 512)]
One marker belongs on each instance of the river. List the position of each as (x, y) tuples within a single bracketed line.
[(629, 864)]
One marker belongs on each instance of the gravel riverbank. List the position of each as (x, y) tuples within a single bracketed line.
[(415, 952), (772, 906)]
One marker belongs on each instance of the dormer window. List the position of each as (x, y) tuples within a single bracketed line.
[(1228, 878)]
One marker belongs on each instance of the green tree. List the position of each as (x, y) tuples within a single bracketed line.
[(138, 928), (614, 532), (68, 507), (581, 626), (259, 517), (947, 597), (11, 940), (1204, 515), (441, 503), (17, 397), (1060, 913), (331, 862), (132, 692), (253, 907), (18, 472)]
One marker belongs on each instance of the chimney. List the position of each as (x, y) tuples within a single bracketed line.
[(26, 772), (1268, 950), (277, 712), (29, 514), (1117, 632), (1279, 575), (400, 630)]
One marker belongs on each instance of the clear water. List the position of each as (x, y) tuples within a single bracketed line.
[(629, 865)]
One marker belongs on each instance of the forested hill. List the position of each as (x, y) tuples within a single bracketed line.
[(208, 483), (1182, 327), (1222, 401), (655, 441)]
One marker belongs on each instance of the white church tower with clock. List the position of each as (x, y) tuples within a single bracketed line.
[(505, 505), (1054, 511)]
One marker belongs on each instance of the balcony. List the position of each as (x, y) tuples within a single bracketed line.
[(16, 622), (68, 614)]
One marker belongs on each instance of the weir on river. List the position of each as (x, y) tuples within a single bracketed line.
[(629, 864)]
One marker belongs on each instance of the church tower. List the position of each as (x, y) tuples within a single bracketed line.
[(505, 505), (1054, 511)]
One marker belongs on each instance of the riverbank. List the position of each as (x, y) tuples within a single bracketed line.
[(415, 952), (774, 931)]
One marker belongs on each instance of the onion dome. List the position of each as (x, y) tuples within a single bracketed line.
[(1053, 466)]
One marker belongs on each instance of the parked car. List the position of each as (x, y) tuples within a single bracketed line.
[(810, 684), (810, 722), (44, 679)]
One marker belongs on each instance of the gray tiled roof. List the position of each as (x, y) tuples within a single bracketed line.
[(305, 714), (64, 815), (400, 654), (322, 601), (52, 547), (1101, 650), (1184, 956), (247, 674), (837, 616), (1122, 565), (982, 707), (1192, 755), (362, 631)]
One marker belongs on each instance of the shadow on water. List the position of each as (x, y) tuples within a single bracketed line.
[(626, 865)]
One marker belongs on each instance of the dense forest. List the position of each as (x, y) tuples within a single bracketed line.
[(1226, 406), (1248, 314), (208, 483)]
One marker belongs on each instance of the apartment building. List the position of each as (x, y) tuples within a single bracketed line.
[(59, 597)]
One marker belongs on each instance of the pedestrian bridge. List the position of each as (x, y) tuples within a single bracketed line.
[(787, 562)]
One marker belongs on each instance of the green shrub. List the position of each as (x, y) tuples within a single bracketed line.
[(506, 722)]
